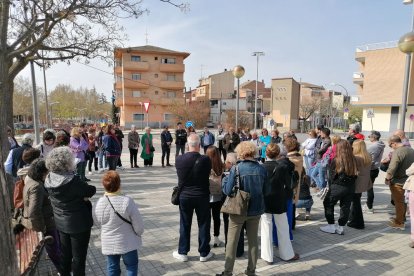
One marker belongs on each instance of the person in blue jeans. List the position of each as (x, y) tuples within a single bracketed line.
[(121, 226), (318, 172), (193, 171)]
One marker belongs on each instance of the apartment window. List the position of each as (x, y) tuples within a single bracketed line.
[(168, 60), (138, 117), (155, 75), (155, 58), (136, 94), (156, 92), (171, 94), (135, 58), (170, 77), (168, 117), (136, 76)]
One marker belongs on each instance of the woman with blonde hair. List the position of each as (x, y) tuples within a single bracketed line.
[(79, 146), (216, 174), (362, 184), (252, 178), (343, 173)]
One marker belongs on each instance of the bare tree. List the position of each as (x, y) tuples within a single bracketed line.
[(197, 112), (35, 30)]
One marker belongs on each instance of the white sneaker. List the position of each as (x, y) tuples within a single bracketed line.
[(90, 173), (208, 257), (217, 242), (180, 257), (365, 209), (330, 228), (339, 230)]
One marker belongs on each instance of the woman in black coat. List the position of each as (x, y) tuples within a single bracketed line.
[(72, 209), (279, 173)]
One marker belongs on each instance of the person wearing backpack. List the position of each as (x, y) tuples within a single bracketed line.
[(279, 173), (216, 175), (48, 142)]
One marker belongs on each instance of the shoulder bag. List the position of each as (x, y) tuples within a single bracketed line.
[(175, 196), (238, 202), (121, 217)]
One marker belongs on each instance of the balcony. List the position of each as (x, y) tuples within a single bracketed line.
[(174, 85), (136, 66), (173, 68), (358, 78), (153, 100), (118, 70), (136, 84)]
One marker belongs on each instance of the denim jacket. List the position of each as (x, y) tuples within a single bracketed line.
[(252, 180)]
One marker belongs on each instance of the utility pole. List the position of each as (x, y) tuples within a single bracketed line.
[(257, 54), (35, 107), (48, 115)]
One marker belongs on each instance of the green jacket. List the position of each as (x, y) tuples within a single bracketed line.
[(146, 153)]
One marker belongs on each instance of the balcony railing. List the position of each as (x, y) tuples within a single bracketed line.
[(377, 46), (136, 66), (173, 68), (358, 77), (172, 84)]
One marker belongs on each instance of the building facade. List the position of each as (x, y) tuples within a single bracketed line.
[(285, 104), (379, 83), (148, 74)]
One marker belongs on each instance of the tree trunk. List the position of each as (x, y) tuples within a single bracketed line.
[(7, 242)]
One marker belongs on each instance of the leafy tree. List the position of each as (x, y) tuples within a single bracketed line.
[(36, 30), (355, 114)]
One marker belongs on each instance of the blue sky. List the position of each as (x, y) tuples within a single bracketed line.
[(310, 40)]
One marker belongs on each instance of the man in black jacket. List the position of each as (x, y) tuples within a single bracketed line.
[(180, 139), (166, 141), (193, 170)]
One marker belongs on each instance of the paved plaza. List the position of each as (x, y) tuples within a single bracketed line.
[(376, 250)]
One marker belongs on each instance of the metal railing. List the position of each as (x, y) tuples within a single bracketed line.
[(377, 46)]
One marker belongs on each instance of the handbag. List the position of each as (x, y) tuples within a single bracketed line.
[(152, 149), (175, 196), (238, 202), (119, 215)]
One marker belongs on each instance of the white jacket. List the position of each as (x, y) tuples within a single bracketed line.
[(309, 147), (409, 184), (117, 236)]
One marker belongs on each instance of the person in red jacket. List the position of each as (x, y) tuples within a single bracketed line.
[(354, 133)]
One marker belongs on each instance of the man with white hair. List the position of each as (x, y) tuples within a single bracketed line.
[(14, 160), (355, 133), (193, 170)]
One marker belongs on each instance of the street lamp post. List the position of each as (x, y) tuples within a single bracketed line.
[(238, 72), (51, 113), (80, 111), (406, 45), (347, 99), (257, 55)]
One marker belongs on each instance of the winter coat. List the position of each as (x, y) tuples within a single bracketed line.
[(67, 192), (309, 147), (166, 138), (117, 236), (326, 143), (111, 145), (180, 137), (146, 143), (402, 159), (133, 140), (235, 138), (409, 184), (44, 149), (363, 182), (78, 147), (296, 159), (37, 210), (376, 150), (275, 186)]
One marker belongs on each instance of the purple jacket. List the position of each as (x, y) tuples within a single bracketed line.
[(78, 147)]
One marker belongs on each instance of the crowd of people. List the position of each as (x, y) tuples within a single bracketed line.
[(278, 173)]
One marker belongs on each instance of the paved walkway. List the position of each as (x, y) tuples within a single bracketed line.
[(376, 250)]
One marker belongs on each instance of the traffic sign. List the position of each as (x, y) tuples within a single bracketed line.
[(346, 115), (370, 113), (189, 124), (146, 105)]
